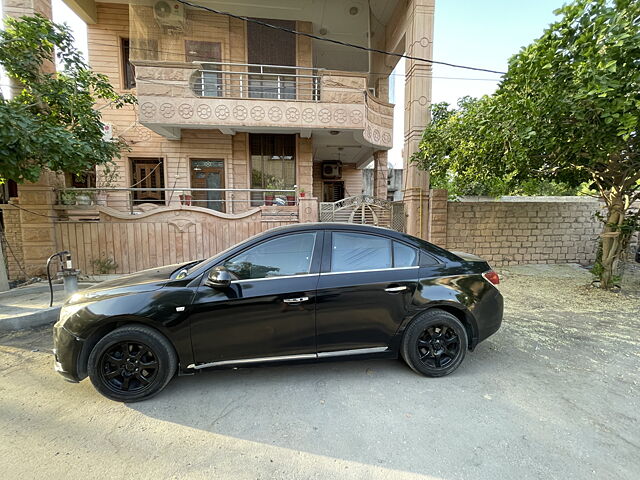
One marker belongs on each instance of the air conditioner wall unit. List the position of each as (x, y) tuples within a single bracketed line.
[(169, 14), (332, 170)]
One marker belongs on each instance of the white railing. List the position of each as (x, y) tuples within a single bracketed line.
[(137, 200), (246, 80)]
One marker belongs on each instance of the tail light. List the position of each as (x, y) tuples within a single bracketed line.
[(492, 277)]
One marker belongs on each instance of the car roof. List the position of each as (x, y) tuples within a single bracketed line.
[(336, 226)]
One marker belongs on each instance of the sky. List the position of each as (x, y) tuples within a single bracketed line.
[(479, 33)]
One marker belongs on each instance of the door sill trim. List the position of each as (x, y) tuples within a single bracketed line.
[(356, 351), (244, 361)]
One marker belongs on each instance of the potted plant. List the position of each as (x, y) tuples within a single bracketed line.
[(301, 193), (269, 197), (68, 197), (291, 199), (185, 198), (83, 199)]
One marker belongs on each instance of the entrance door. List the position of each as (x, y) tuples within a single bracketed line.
[(208, 173), (147, 173), (332, 191)]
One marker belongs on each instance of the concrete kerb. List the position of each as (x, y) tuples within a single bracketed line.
[(43, 316)]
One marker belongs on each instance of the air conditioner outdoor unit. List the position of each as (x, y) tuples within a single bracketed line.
[(169, 14), (332, 170)]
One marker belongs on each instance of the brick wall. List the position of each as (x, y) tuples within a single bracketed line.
[(561, 230)]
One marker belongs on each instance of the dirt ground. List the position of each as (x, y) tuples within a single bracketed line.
[(554, 394)]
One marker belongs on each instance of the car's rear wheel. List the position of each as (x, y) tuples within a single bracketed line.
[(131, 363), (435, 343)]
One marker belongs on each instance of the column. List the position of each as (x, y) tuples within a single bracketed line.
[(304, 164), (418, 43), (380, 173), (34, 232)]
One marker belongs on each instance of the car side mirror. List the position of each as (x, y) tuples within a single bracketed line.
[(219, 277)]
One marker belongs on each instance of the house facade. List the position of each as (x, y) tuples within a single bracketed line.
[(229, 104), (235, 116)]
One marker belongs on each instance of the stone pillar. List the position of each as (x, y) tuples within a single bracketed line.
[(30, 235), (419, 43), (304, 164), (308, 210), (380, 173), (438, 209), (13, 246), (240, 166), (31, 228), (21, 8)]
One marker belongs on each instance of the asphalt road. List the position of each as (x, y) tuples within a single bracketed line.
[(555, 394)]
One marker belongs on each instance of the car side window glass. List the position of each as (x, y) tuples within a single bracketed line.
[(404, 255), (282, 256), (357, 251)]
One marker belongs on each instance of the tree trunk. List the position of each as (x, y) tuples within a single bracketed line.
[(611, 241)]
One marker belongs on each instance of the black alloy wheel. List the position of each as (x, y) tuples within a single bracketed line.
[(438, 346), (435, 343), (128, 367), (132, 363)]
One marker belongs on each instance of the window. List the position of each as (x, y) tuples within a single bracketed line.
[(267, 46), (273, 164), (283, 256), (147, 173), (128, 70), (404, 255), (357, 251)]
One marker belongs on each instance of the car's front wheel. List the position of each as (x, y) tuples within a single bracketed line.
[(435, 343), (131, 363)]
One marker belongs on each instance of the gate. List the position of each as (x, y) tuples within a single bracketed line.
[(364, 210)]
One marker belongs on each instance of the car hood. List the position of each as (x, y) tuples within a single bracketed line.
[(143, 281)]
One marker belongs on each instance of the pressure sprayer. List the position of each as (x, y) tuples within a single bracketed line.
[(67, 272)]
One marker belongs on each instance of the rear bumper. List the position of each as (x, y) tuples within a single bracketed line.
[(66, 350), (488, 313)]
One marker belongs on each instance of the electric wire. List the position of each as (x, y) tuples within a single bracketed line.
[(337, 42)]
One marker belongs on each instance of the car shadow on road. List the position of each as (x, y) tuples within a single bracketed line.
[(365, 411)]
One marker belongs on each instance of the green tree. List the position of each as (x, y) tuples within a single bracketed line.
[(51, 122), (567, 111)]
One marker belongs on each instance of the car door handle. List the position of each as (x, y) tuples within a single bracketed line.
[(295, 300), (395, 289)]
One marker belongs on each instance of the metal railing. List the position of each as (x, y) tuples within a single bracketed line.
[(246, 80), (138, 200)]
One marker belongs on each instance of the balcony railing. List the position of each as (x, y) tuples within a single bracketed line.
[(244, 80), (138, 200)]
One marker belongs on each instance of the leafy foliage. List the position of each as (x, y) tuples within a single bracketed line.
[(567, 111), (52, 121)]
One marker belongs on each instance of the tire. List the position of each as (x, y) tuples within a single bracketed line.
[(435, 343), (132, 363)]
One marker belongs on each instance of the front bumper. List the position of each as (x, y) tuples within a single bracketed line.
[(66, 351)]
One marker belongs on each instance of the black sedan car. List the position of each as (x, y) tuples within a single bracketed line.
[(308, 292)]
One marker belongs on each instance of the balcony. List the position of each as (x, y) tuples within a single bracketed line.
[(243, 97), (219, 80)]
